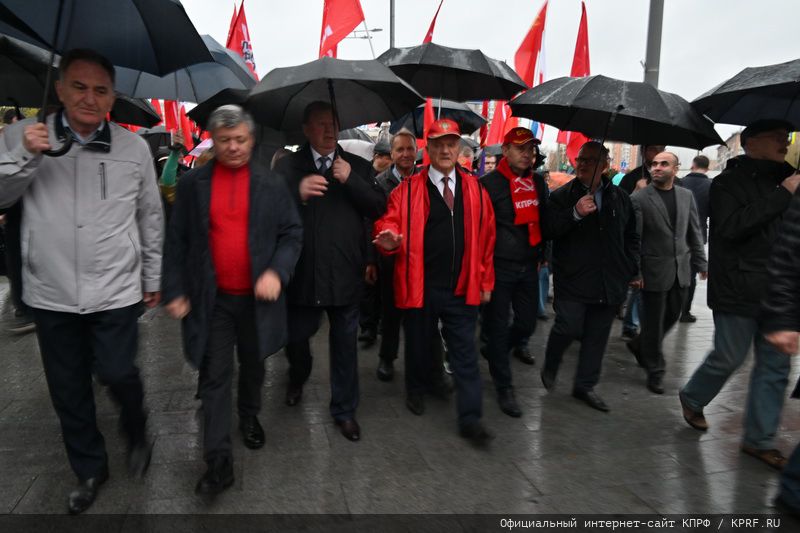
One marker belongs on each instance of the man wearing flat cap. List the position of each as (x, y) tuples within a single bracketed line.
[(748, 200), (518, 197), (440, 227)]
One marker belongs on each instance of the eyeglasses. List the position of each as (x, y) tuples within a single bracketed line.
[(774, 136), (660, 163), (586, 160)]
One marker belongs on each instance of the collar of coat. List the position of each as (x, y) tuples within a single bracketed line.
[(774, 169), (101, 142)]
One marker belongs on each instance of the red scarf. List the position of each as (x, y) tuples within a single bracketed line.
[(525, 200)]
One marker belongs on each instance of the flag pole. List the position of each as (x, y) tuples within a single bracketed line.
[(369, 37)]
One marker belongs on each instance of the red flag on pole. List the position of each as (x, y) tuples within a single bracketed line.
[(171, 116), (484, 133), (339, 18), (429, 36), (580, 68), (502, 123), (528, 52), (187, 129), (230, 28), (239, 40), (157, 106)]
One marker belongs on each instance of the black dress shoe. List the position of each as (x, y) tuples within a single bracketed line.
[(655, 385), (349, 429), (476, 433), (524, 355), (139, 456), (548, 379), (688, 317), (508, 403), (252, 432), (83, 497), (294, 394), (416, 404), (592, 399), (385, 370), (218, 476)]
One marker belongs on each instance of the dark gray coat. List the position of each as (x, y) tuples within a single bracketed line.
[(275, 238), (667, 252)]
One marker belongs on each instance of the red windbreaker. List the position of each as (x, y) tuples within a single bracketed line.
[(407, 213)]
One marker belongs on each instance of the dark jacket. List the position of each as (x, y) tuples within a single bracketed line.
[(747, 202), (387, 181), (628, 181), (699, 184), (596, 257), (512, 248), (780, 310), (274, 239), (330, 271)]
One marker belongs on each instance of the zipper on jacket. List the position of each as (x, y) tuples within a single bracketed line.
[(102, 172), (453, 257)]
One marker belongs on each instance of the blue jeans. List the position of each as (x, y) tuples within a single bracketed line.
[(631, 320), (733, 337), (790, 481), (544, 288)]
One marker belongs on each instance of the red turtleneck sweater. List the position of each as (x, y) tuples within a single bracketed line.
[(227, 232)]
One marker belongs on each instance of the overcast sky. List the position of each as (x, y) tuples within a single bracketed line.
[(704, 41)]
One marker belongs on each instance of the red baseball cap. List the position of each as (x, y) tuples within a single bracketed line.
[(442, 128), (520, 136)]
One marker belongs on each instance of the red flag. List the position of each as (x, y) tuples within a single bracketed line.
[(528, 52), (484, 133), (429, 36), (502, 123), (233, 24), (339, 18), (187, 128), (157, 106), (171, 115), (239, 40), (580, 68), (429, 117)]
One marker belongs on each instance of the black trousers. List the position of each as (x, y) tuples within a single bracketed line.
[(687, 305), (660, 311), (14, 255), (304, 322), (232, 324), (423, 367), (370, 308), (74, 346), (391, 316), (517, 290), (588, 323)]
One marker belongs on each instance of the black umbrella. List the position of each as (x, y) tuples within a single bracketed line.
[(360, 92), (194, 83), (203, 110), (453, 73), (467, 119), (612, 109), (355, 134), (150, 35), (755, 93), (23, 74)]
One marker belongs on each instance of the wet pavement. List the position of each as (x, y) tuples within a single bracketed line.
[(560, 457)]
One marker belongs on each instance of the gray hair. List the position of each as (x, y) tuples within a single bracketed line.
[(230, 116), (403, 133)]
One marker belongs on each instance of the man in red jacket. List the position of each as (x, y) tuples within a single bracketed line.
[(440, 224)]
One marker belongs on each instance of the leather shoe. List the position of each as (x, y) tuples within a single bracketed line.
[(508, 403), (688, 317), (218, 476), (385, 370), (773, 458), (655, 385), (548, 380), (252, 432), (476, 433), (294, 394), (416, 404), (349, 429), (139, 455), (83, 497), (592, 399), (692, 417), (524, 355)]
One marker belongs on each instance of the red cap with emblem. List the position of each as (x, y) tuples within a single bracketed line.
[(520, 136), (442, 128)]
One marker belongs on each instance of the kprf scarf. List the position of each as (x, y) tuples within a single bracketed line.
[(525, 200)]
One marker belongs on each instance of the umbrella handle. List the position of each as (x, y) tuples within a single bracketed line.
[(334, 109), (67, 140), (610, 123), (49, 76)]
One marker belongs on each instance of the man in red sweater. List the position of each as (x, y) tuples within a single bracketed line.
[(440, 225), (232, 244)]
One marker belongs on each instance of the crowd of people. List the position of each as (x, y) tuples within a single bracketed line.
[(254, 254)]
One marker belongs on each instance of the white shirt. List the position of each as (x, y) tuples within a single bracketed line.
[(317, 155), (78, 137), (436, 178)]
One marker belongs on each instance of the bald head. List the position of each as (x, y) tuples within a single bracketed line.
[(663, 170)]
